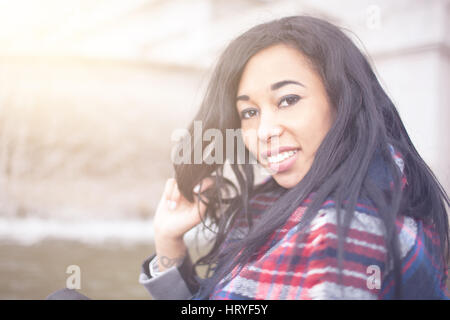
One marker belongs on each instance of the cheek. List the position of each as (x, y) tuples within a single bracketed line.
[(249, 136), (311, 132), (321, 130)]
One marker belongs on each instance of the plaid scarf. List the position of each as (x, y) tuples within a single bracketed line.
[(292, 265)]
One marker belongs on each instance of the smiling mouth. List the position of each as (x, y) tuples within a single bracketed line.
[(281, 156), (281, 162)]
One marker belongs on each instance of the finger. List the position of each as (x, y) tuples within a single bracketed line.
[(200, 206), (203, 185), (168, 188), (176, 195), (176, 192), (199, 209)]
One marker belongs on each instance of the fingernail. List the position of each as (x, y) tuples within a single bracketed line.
[(172, 205), (197, 188)]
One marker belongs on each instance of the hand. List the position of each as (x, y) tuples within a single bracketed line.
[(175, 215), (173, 218)]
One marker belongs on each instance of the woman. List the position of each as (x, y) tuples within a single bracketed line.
[(351, 211)]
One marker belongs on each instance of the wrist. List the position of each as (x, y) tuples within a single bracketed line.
[(169, 252), (168, 240), (167, 235), (155, 270)]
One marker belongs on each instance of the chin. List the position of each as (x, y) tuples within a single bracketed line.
[(286, 181)]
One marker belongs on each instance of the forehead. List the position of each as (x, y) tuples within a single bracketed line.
[(275, 63)]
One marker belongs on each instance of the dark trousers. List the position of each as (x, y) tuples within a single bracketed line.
[(67, 294)]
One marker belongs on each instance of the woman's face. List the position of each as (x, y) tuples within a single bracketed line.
[(284, 110)]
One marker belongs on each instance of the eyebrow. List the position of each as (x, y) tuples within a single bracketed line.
[(275, 86)]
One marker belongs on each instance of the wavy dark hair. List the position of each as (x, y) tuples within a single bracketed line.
[(367, 122)]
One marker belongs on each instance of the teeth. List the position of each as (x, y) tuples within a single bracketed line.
[(281, 156)]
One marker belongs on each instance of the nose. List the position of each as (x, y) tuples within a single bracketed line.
[(268, 128)]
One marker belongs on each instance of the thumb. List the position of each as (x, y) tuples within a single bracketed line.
[(198, 189), (167, 197), (203, 185), (168, 190)]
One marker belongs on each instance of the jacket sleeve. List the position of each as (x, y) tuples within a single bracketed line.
[(176, 283)]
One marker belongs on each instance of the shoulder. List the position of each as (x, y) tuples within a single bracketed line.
[(367, 228), (311, 255), (424, 269), (365, 249)]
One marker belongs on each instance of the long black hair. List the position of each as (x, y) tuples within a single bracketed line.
[(367, 122)]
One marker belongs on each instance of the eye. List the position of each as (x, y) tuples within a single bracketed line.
[(248, 113), (288, 101)]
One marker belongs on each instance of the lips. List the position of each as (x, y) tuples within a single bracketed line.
[(270, 153), (280, 160)]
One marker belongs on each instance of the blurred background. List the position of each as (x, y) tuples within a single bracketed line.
[(91, 90)]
